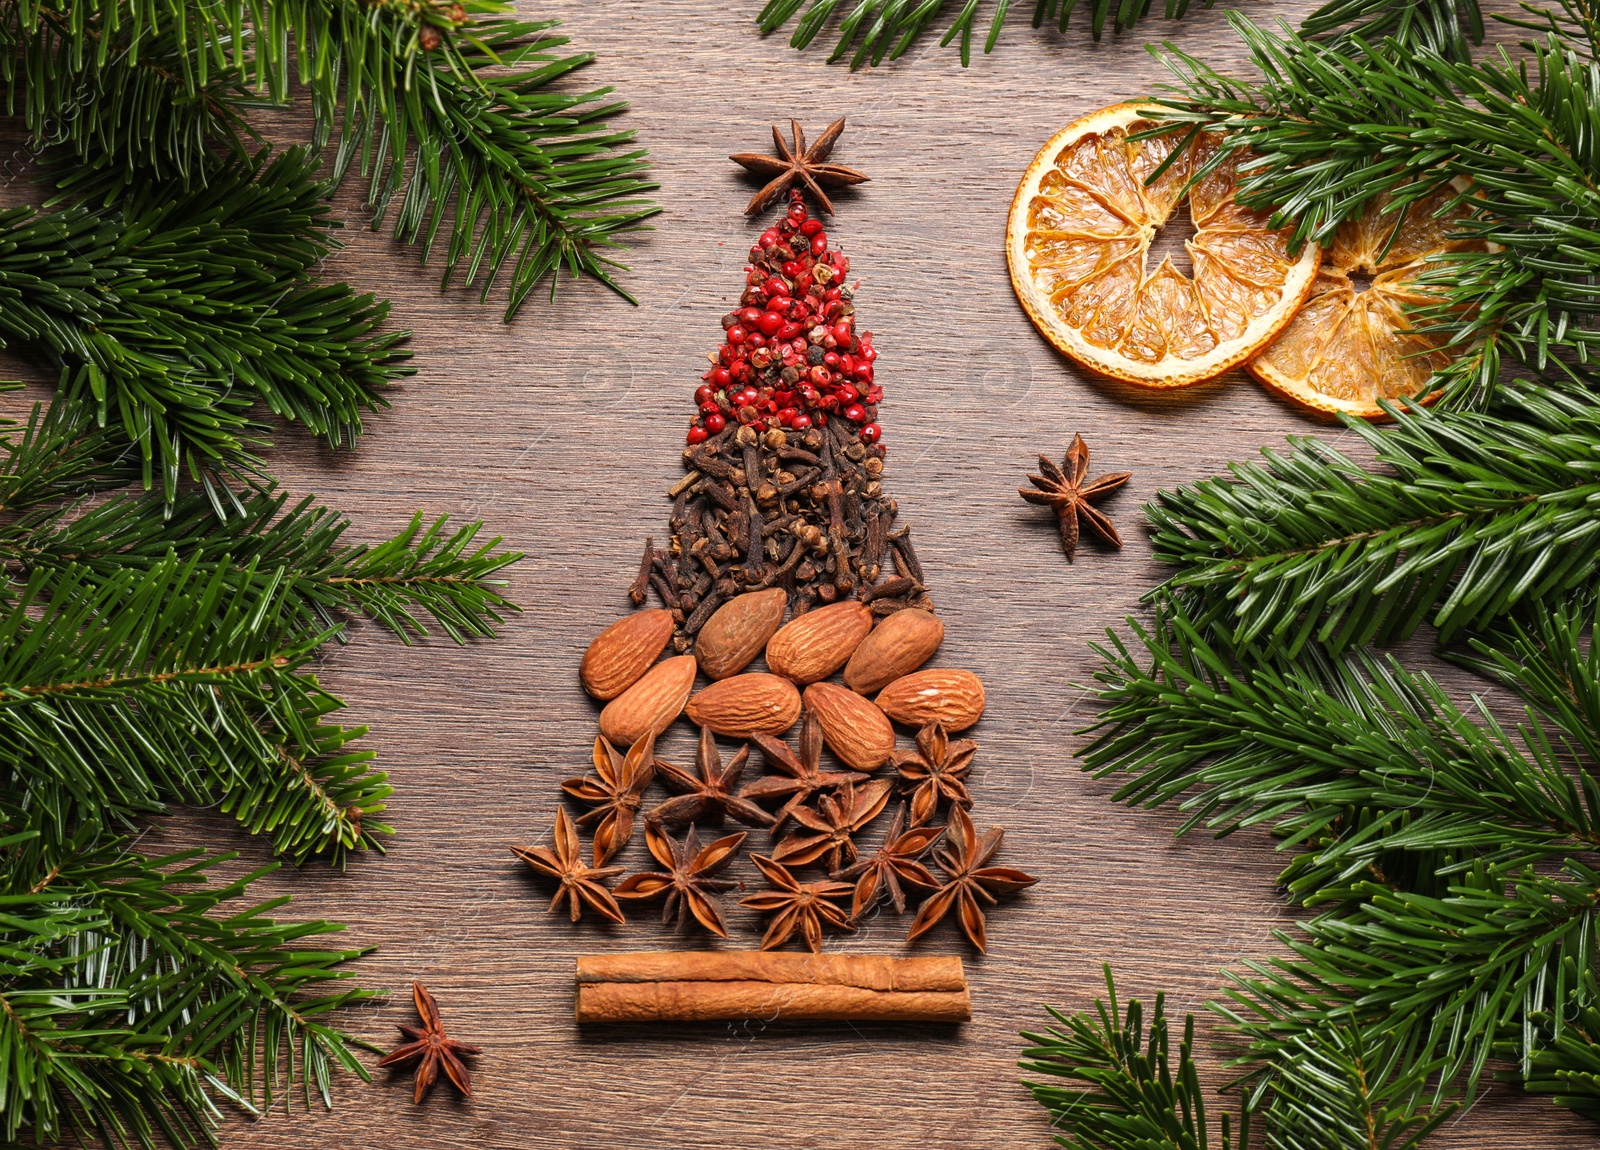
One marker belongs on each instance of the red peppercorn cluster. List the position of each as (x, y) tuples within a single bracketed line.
[(792, 356)]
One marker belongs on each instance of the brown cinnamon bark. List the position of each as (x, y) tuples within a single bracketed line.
[(719, 985)]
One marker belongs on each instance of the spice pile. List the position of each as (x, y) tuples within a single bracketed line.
[(782, 514)]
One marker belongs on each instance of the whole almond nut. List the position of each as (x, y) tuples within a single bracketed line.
[(899, 645), (817, 644), (954, 698), (745, 705), (651, 704), (738, 630), (853, 728), (623, 652)]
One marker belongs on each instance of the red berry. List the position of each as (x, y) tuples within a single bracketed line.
[(819, 243), (789, 330), (871, 433), (810, 227), (841, 331), (831, 359), (800, 422), (775, 286), (697, 435), (863, 372), (719, 377), (846, 393), (855, 413), (737, 335), (704, 394), (832, 294), (786, 416), (769, 237), (771, 323), (715, 423), (755, 339)]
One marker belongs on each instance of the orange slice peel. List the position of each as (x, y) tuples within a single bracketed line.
[(1347, 348), (1078, 242)]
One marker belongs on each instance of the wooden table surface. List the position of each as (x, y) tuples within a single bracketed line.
[(561, 432)]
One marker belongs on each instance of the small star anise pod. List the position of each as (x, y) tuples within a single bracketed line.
[(1064, 491), (801, 774), (428, 1046), (710, 797), (826, 831), (798, 165), (968, 880), (896, 861), (936, 771), (616, 793), (687, 881), (806, 906), (581, 884)]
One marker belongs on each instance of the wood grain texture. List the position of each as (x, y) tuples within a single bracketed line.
[(562, 430)]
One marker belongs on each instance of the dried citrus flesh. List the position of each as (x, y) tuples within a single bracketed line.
[(1347, 348), (1078, 244)]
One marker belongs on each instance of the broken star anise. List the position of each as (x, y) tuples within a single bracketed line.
[(895, 862), (826, 832), (687, 879), (1063, 490), (801, 773), (936, 772), (581, 885), (616, 792), (428, 1046), (710, 797), (968, 880), (796, 905), (800, 165)]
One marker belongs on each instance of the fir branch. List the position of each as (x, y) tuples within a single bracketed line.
[(1129, 1097), (172, 685), (426, 570), (1481, 512), (177, 310), (138, 995), (875, 30), (456, 108)]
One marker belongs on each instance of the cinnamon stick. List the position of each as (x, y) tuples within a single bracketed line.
[(720, 985)]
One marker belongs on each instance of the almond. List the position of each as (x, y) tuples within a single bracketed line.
[(738, 630), (900, 644), (817, 644), (853, 728), (954, 698), (745, 705), (651, 704), (623, 652)]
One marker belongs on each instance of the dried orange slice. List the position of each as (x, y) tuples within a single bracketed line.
[(1348, 348), (1078, 242)]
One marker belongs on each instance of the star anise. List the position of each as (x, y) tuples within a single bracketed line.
[(581, 884), (896, 861), (687, 881), (428, 1046), (802, 774), (1063, 490), (798, 165), (710, 797), (968, 880), (806, 906), (826, 831), (935, 770), (616, 793)]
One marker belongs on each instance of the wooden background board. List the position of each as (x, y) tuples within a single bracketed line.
[(561, 432)]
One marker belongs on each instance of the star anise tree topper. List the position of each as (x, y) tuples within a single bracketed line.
[(797, 164)]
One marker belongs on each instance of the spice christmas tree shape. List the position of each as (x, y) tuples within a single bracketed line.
[(783, 571)]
